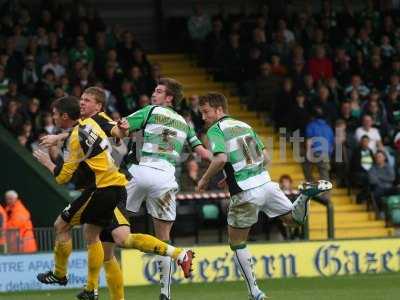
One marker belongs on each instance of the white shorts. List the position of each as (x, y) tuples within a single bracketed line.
[(158, 188), (245, 206)]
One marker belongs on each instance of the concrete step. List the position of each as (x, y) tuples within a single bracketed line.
[(356, 216), (353, 233), (349, 225), (287, 168), (316, 207), (341, 200)]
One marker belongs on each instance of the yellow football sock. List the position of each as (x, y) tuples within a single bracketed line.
[(149, 244), (62, 251), (95, 261), (114, 279)]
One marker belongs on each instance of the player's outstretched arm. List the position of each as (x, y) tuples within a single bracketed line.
[(216, 165), (121, 130), (267, 158), (52, 139), (44, 159)]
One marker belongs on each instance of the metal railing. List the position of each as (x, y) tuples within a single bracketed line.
[(44, 236), (329, 218)]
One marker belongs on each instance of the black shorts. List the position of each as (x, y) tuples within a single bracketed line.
[(120, 218), (94, 206)]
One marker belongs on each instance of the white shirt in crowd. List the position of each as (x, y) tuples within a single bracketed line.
[(58, 69), (372, 133)]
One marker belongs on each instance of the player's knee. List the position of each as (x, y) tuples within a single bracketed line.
[(120, 235), (234, 242), (60, 226)]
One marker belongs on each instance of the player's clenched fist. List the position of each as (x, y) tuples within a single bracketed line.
[(123, 124), (202, 185)]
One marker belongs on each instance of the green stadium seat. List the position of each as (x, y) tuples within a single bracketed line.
[(210, 212), (393, 208)]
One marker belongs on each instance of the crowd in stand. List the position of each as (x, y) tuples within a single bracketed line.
[(333, 73), (62, 50)]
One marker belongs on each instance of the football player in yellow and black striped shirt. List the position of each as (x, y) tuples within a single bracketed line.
[(86, 160), (118, 231)]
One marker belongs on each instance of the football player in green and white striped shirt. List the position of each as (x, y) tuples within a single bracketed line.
[(164, 135), (238, 150)]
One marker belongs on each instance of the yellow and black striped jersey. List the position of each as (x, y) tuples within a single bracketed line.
[(86, 158)]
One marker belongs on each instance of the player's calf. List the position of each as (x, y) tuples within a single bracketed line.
[(307, 191)]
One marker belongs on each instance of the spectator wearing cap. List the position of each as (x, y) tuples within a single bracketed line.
[(19, 220)]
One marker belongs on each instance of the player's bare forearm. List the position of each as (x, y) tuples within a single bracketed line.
[(267, 158), (54, 151), (204, 153), (53, 139), (121, 130), (45, 160), (118, 133), (216, 165)]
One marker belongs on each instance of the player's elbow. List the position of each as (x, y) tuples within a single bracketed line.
[(221, 158)]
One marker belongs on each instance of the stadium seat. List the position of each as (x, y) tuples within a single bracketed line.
[(211, 217), (393, 209), (186, 223)]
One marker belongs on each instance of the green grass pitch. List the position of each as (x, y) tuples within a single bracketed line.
[(360, 287)]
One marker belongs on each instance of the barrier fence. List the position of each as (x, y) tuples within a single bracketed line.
[(195, 211)]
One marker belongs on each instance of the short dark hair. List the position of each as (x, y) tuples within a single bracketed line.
[(173, 88), (215, 100), (68, 105), (364, 137), (98, 93)]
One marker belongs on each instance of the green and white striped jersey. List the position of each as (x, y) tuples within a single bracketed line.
[(245, 166), (164, 136)]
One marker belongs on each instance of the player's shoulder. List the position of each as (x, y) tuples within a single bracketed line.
[(89, 124), (228, 122), (169, 112), (102, 116)]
